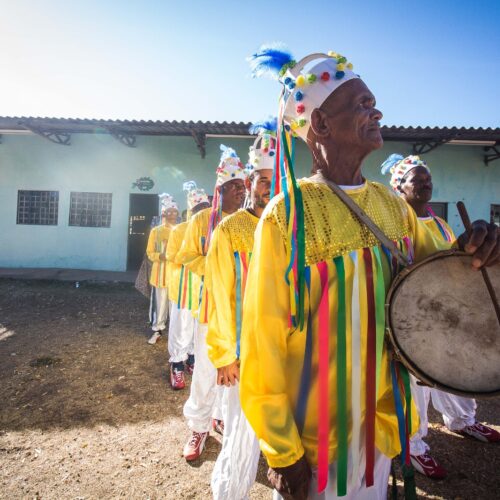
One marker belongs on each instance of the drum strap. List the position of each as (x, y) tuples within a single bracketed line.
[(363, 217)]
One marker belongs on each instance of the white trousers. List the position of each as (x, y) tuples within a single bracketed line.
[(356, 488), (458, 412), (180, 333), (236, 466), (158, 308), (205, 397)]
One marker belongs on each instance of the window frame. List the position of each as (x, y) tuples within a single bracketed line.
[(24, 212), (83, 204)]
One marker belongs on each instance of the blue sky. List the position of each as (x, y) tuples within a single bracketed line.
[(430, 63)]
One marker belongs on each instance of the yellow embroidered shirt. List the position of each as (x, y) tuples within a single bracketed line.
[(192, 254), (328, 377), (439, 228), (184, 285), (227, 265), (157, 245)]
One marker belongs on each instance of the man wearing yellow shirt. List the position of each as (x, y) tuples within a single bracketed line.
[(412, 180), (156, 252), (317, 383), (229, 193), (183, 294), (227, 265)]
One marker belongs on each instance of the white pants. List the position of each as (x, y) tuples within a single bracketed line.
[(458, 412), (205, 398), (158, 308), (180, 333), (236, 466), (356, 487)]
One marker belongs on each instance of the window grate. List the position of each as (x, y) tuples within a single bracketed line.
[(37, 207), (90, 209), (495, 214)]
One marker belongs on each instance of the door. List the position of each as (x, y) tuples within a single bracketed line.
[(143, 207)]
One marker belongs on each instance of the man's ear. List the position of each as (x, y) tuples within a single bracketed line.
[(319, 123), (248, 183)]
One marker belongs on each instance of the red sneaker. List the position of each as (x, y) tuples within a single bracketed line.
[(176, 378), (426, 465), (218, 426), (190, 364), (195, 445), (481, 433)]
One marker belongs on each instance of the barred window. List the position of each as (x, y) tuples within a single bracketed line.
[(495, 214), (90, 209), (440, 209), (37, 207)]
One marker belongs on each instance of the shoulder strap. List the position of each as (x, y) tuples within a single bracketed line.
[(363, 217)]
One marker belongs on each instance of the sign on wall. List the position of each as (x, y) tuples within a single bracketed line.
[(143, 184)]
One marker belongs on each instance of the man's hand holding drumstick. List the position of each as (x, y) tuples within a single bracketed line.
[(483, 242)]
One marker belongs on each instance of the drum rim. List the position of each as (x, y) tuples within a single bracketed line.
[(399, 353)]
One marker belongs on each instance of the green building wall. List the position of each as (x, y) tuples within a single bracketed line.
[(99, 163)]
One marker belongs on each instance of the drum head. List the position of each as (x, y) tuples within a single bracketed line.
[(442, 321)]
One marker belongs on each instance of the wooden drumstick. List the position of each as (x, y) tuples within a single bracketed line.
[(468, 228)]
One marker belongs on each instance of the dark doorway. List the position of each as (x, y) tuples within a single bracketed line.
[(143, 207)]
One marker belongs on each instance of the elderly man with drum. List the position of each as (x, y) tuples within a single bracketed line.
[(318, 385), (412, 180)]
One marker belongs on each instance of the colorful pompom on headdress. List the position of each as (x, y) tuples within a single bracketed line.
[(195, 195), (306, 84), (262, 154), (167, 203), (398, 166)]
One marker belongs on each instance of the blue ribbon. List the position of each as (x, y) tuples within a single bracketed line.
[(399, 411)]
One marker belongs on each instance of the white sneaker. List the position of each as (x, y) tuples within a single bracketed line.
[(154, 338)]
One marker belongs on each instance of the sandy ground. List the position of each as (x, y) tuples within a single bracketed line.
[(87, 413)]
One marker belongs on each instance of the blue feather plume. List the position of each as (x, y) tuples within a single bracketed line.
[(269, 60), (390, 162), (189, 186), (227, 153), (269, 125)]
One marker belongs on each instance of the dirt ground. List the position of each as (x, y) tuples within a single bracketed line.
[(87, 413)]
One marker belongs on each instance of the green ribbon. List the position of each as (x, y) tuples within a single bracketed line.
[(342, 431)]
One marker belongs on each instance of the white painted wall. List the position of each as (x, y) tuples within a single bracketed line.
[(99, 163)]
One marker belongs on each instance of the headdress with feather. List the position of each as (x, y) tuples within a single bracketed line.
[(398, 166), (230, 168)]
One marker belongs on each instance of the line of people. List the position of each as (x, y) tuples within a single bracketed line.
[(199, 272), (288, 297)]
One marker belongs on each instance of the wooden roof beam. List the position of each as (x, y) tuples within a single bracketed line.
[(62, 138), (488, 158), (200, 140), (423, 147), (125, 138)]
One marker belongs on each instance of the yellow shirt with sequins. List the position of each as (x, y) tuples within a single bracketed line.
[(192, 254), (347, 270), (227, 264), (157, 245)]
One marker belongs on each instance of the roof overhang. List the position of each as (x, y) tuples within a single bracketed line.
[(59, 130)]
